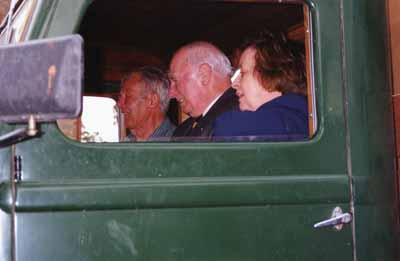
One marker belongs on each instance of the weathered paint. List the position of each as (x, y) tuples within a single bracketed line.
[(241, 201)]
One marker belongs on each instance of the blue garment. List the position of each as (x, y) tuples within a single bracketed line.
[(162, 133), (281, 119), (201, 128)]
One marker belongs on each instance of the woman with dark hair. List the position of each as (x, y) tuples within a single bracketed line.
[(272, 93)]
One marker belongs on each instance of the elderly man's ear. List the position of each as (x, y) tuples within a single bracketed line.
[(205, 72), (153, 100)]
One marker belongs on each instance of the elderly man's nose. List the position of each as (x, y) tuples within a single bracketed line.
[(172, 92), (120, 103)]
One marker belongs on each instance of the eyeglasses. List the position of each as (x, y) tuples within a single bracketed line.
[(235, 75)]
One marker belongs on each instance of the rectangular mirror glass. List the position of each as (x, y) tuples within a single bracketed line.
[(42, 78)]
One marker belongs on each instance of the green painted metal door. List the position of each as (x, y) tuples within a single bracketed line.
[(200, 201), (181, 201)]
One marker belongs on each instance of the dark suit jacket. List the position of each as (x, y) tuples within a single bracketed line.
[(283, 118), (203, 128)]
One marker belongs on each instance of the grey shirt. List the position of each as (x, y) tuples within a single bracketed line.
[(162, 133)]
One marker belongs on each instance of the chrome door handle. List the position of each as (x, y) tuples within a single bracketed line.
[(337, 220)]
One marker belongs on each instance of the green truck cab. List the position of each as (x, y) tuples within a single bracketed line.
[(331, 197)]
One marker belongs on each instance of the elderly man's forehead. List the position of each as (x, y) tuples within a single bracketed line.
[(179, 67), (179, 58), (133, 77), (133, 81)]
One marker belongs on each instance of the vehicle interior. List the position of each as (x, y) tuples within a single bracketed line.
[(130, 34)]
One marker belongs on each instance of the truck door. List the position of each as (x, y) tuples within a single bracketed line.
[(187, 201)]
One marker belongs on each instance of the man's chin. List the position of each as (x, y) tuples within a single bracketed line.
[(130, 126), (194, 115), (188, 112)]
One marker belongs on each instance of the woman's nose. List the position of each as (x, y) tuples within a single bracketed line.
[(236, 83)]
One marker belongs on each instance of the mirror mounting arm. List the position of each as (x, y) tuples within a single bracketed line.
[(21, 134), (32, 130)]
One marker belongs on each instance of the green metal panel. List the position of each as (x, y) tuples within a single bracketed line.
[(58, 17), (5, 194), (223, 233), (5, 156), (178, 192), (241, 201), (5, 218), (371, 127)]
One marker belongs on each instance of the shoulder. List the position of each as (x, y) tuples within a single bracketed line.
[(233, 123), (283, 115), (168, 127), (287, 110), (293, 105), (227, 102), (183, 127), (290, 101)]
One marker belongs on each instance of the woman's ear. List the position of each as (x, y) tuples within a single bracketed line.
[(205, 72)]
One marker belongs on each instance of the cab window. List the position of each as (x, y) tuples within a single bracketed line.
[(120, 38)]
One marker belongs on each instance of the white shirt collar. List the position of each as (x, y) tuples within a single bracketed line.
[(211, 104)]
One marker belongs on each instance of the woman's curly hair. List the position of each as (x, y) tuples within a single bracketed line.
[(279, 63)]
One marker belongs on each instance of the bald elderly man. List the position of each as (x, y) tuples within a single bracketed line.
[(200, 81)]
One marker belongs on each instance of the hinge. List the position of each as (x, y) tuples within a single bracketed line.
[(17, 168)]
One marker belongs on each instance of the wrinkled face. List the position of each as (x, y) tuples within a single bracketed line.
[(131, 102), (185, 85), (247, 85)]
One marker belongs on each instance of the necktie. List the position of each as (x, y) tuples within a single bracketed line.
[(195, 122)]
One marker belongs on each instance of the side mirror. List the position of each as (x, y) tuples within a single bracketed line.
[(40, 81), (41, 78)]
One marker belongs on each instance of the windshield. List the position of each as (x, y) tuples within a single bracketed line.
[(22, 14)]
